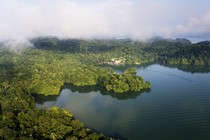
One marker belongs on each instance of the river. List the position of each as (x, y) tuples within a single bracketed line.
[(176, 108)]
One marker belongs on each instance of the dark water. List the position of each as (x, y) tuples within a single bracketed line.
[(176, 108)]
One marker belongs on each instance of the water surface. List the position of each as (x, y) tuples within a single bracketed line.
[(176, 108)]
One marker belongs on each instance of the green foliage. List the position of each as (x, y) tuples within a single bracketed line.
[(45, 72), (131, 71), (52, 62), (178, 51), (27, 122), (123, 82)]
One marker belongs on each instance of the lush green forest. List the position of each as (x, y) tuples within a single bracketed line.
[(45, 71), (52, 62), (128, 81), (20, 119), (169, 51)]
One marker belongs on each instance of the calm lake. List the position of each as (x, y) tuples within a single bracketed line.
[(176, 108)]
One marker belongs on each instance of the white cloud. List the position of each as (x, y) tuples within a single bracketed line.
[(197, 25), (20, 19)]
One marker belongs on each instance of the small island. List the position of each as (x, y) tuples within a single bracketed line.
[(127, 81)]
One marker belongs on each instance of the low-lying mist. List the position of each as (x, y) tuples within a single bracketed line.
[(102, 19)]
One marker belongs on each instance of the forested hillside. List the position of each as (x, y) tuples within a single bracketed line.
[(52, 62), (178, 51), (20, 119)]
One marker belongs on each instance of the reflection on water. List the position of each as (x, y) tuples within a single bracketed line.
[(184, 68), (190, 68), (119, 96), (176, 108), (122, 68), (40, 99), (50, 100)]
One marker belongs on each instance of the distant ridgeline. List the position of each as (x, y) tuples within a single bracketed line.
[(127, 51)]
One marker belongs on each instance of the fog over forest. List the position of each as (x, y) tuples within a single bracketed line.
[(137, 19)]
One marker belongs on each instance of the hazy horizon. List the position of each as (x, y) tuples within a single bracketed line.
[(137, 19)]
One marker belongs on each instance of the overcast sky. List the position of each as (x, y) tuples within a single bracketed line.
[(21, 19)]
